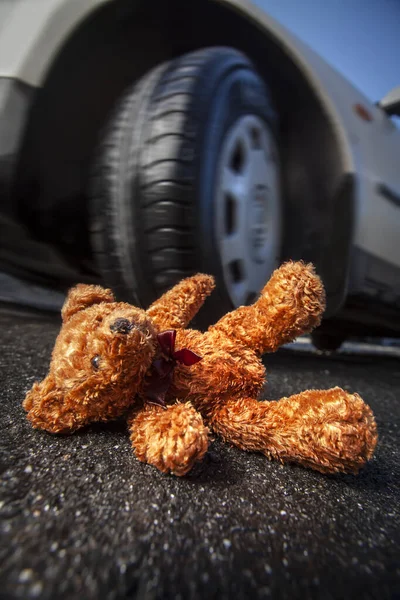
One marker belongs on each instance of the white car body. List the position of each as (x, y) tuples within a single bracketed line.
[(33, 31)]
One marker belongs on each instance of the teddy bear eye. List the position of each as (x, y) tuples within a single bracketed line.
[(95, 361)]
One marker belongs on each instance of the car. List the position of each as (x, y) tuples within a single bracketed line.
[(143, 141)]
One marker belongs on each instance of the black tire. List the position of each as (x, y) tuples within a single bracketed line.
[(154, 177), (327, 341)]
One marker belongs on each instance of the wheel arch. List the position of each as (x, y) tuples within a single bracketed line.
[(118, 42)]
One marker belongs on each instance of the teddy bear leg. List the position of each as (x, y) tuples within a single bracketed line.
[(171, 439), (328, 430), (290, 304)]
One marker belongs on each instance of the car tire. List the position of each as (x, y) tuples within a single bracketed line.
[(187, 179), (327, 341)]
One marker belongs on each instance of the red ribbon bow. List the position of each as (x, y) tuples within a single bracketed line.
[(161, 373)]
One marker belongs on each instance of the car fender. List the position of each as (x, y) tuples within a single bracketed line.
[(43, 26), (46, 25)]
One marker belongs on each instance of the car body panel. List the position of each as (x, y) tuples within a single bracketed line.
[(369, 148), (44, 26)]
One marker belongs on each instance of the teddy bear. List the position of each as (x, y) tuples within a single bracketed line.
[(175, 385)]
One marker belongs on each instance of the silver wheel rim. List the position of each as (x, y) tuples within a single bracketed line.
[(248, 209)]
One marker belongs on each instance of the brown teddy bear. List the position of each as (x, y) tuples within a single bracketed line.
[(112, 359)]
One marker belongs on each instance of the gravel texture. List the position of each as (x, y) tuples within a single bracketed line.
[(81, 518)]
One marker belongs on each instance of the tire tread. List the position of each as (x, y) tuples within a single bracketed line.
[(165, 104)]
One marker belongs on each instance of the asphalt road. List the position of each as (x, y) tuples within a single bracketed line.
[(81, 518)]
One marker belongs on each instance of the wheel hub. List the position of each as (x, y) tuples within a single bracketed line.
[(248, 211)]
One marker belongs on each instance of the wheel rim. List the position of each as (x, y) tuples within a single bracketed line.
[(248, 209)]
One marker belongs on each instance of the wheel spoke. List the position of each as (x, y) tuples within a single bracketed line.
[(231, 248), (234, 184), (240, 292), (255, 280)]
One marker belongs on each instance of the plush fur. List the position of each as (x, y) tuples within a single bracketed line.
[(107, 351)]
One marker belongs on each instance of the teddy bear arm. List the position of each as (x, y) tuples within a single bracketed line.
[(291, 303), (177, 307), (171, 439), (327, 430)]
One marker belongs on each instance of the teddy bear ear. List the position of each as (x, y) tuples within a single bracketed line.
[(82, 296)]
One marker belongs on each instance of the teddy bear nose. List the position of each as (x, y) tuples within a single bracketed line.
[(121, 326)]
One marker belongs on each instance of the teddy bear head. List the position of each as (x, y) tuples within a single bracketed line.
[(99, 362)]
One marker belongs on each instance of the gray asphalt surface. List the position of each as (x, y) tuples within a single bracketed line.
[(81, 518)]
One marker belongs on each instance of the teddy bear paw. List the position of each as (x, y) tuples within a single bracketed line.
[(172, 440)]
